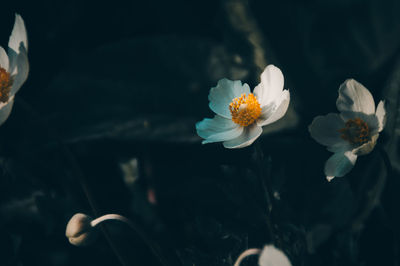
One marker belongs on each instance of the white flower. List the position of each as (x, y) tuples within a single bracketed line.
[(271, 256), (240, 114), (351, 133), (14, 67)]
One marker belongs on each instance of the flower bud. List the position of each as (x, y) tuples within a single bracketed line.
[(79, 230)]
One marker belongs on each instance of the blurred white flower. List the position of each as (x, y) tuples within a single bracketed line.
[(271, 256), (14, 67), (351, 133), (240, 114)]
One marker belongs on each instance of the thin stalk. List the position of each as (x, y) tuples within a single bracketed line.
[(261, 176), (386, 160), (246, 253), (374, 195), (135, 228), (265, 188)]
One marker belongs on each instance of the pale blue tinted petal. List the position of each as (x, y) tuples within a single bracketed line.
[(325, 130), (339, 164), (22, 70), (18, 35), (381, 115), (248, 136), (354, 97), (5, 110), (271, 256), (341, 147), (271, 85), (218, 129), (4, 63), (222, 95), (271, 115)]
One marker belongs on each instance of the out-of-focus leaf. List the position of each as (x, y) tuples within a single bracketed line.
[(146, 88)]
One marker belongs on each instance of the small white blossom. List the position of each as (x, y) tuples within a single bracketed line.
[(240, 114), (351, 133), (14, 67)]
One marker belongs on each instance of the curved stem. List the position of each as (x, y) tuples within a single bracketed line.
[(106, 217), (135, 228), (246, 253)]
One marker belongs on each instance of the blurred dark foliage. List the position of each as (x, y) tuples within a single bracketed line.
[(114, 91)]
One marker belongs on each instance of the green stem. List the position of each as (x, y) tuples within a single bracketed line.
[(374, 194), (261, 176), (386, 160), (265, 186)]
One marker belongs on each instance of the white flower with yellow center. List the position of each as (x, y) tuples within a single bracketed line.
[(351, 133), (14, 67), (241, 114)]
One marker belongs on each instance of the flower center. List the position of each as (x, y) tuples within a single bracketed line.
[(355, 132), (5, 85), (245, 109)]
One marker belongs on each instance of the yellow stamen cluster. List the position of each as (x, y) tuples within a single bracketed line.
[(5, 85), (245, 109), (356, 131)]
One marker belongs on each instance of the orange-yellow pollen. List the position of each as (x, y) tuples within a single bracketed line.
[(245, 109), (355, 132), (5, 85)]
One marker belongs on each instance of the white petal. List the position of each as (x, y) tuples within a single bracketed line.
[(248, 136), (5, 110), (354, 97), (381, 115), (271, 115), (339, 164), (18, 35), (4, 63), (325, 130), (271, 256), (329, 178), (218, 129), (222, 95), (22, 71), (271, 85)]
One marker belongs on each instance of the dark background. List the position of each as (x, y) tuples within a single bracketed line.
[(109, 108)]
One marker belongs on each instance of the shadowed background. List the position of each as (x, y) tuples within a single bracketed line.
[(113, 94)]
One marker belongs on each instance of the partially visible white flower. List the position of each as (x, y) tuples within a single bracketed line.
[(271, 256), (240, 114), (14, 67), (351, 133)]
